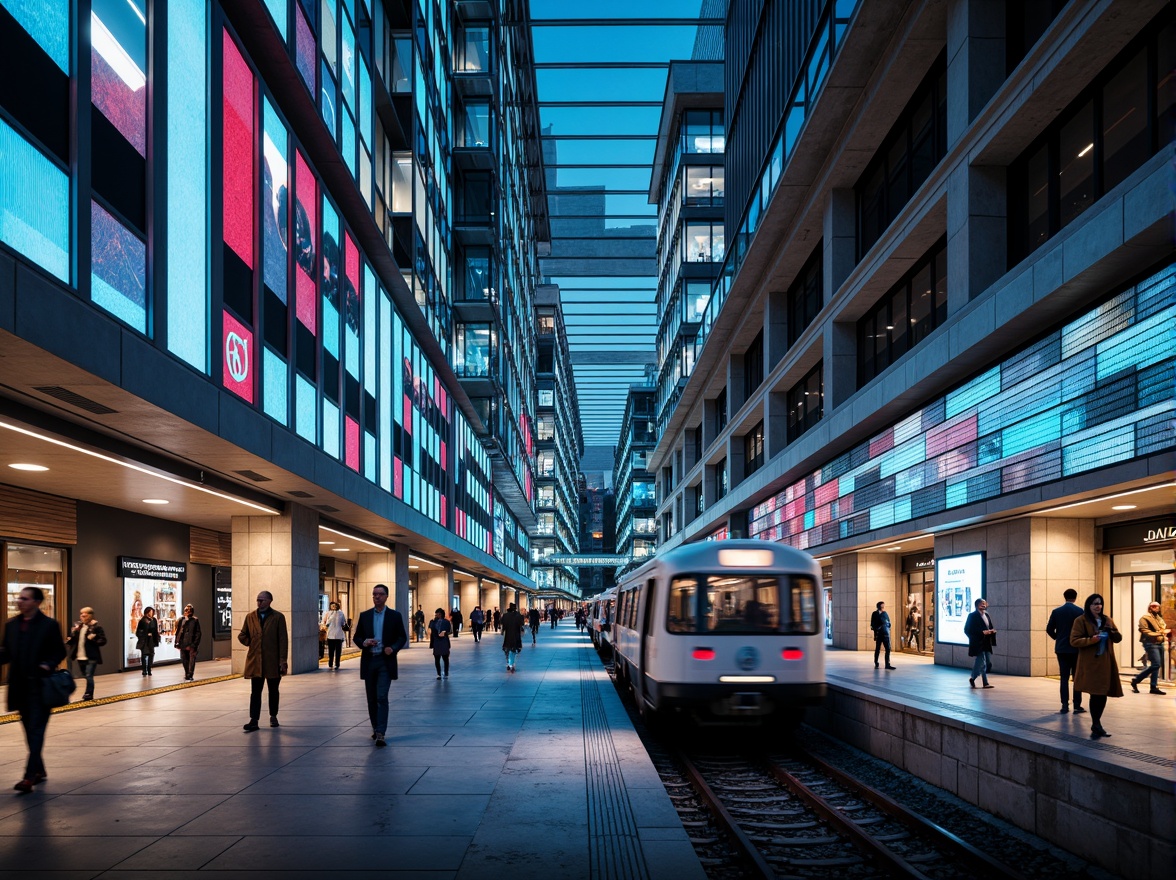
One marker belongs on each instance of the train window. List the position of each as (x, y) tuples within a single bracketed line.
[(801, 605), (682, 608), (742, 604)]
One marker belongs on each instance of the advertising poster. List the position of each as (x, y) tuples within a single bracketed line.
[(149, 583), (959, 582), (222, 589)]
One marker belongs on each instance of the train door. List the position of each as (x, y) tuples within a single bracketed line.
[(645, 632)]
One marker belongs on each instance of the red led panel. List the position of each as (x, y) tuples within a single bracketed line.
[(882, 443), (444, 455), (949, 436), (237, 357), (351, 255), (444, 512), (826, 493), (351, 441), (238, 152), (305, 236), (398, 477)]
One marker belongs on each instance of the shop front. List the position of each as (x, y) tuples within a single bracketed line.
[(916, 617), (1142, 558)]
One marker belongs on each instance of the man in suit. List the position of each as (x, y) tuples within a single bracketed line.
[(268, 641), (1061, 621), (981, 633), (880, 624), (380, 633), (33, 648)]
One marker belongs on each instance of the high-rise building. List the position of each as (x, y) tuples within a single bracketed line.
[(636, 498), (560, 443), (939, 354), (266, 304)]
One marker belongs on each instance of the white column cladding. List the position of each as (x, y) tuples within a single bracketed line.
[(400, 585), (279, 554), (371, 569), (860, 581)]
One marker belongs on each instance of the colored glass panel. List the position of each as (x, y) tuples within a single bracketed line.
[(34, 210), (238, 152), (330, 428), (351, 434), (305, 403), (275, 380), (277, 9), (47, 22), (186, 165), (118, 83), (351, 305), (305, 234), (304, 48), (329, 279), (118, 275), (275, 196)]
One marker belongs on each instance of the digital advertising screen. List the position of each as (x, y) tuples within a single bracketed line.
[(959, 582)]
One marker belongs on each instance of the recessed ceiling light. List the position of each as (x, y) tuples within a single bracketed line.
[(28, 467), (342, 549), (156, 501), (326, 542), (1123, 506)]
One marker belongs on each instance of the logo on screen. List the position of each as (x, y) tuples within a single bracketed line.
[(237, 356)]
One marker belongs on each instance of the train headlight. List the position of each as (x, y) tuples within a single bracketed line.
[(703, 653), (792, 654)]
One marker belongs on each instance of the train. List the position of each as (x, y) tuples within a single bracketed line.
[(722, 631), (600, 616)]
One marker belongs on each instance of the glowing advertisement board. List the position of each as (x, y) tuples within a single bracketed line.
[(959, 582)]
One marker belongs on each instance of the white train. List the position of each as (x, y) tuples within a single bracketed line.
[(722, 630), (600, 618)]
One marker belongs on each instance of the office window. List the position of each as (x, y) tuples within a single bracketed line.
[(906, 158), (805, 296), (905, 316), (704, 185), (753, 365), (1025, 23), (1105, 134), (705, 243), (472, 344), (753, 449), (721, 411), (806, 402), (721, 482)]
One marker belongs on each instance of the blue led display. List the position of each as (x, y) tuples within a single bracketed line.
[(34, 209), (47, 22)]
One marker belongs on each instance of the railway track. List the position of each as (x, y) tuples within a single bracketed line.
[(794, 816)]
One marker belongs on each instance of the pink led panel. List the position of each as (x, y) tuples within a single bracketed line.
[(237, 357), (238, 152), (305, 235), (351, 431)]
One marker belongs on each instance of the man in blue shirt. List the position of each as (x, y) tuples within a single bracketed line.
[(380, 633)]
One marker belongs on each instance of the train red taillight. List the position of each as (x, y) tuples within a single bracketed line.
[(792, 654), (703, 653)]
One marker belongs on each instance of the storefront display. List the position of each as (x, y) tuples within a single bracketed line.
[(149, 583), (959, 582)]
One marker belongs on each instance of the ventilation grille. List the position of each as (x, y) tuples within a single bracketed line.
[(298, 493), (326, 508), (255, 476), (74, 399)]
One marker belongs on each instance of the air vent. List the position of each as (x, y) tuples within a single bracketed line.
[(255, 476), (298, 493), (74, 399), (326, 508)]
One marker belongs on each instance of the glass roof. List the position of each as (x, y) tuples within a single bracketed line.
[(600, 72)]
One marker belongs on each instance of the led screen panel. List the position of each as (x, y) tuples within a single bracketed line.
[(959, 582)]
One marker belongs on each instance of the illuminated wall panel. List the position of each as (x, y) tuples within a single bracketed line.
[(238, 152), (304, 48), (305, 409), (118, 81), (329, 280), (118, 275), (186, 167), (275, 380), (277, 9), (275, 200), (34, 209), (351, 305), (237, 357), (1096, 392), (47, 21), (305, 237)]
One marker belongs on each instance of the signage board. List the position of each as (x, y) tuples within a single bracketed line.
[(152, 569), (959, 582), (222, 597)]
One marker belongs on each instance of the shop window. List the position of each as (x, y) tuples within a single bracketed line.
[(42, 567), (806, 403)]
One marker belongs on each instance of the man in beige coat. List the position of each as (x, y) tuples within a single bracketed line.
[(265, 634)]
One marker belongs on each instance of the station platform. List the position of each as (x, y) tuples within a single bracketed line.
[(486, 774), (1009, 751)]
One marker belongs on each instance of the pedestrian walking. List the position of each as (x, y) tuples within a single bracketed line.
[(86, 639), (380, 634), (533, 622), (265, 635), (1061, 622), (418, 624), (32, 648), (512, 635), (477, 623), (981, 635), (336, 622), (188, 636), (1095, 636), (439, 632), (553, 616), (456, 618), (880, 624), (497, 619), (147, 638), (1153, 632)]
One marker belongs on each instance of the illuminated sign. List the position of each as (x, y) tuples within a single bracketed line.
[(959, 582), (237, 352), (584, 560)]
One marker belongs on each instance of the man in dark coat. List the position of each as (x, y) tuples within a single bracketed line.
[(981, 633), (85, 641), (1061, 622), (533, 622), (380, 634), (880, 624), (33, 648), (268, 640), (512, 636)]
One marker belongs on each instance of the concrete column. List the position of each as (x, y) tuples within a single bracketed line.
[(839, 349), (376, 568), (400, 584), (279, 554), (776, 424), (975, 60), (977, 211), (1029, 563), (467, 594), (839, 244), (860, 581), (434, 589), (775, 328)]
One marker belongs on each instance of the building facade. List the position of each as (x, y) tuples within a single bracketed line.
[(636, 495), (939, 355), (560, 444), (234, 281)]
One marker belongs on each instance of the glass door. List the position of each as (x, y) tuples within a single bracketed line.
[(916, 623), (27, 565)]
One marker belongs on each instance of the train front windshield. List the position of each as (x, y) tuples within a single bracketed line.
[(742, 604)]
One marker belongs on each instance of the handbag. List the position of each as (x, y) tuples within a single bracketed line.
[(57, 687)]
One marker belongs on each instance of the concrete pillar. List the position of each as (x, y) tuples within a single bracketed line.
[(776, 424), (840, 364), (860, 581), (977, 209), (975, 60), (400, 584), (1029, 563), (279, 554), (434, 589), (839, 247), (775, 328), (376, 568), (467, 594)]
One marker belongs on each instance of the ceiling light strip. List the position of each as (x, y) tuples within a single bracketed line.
[(384, 547)]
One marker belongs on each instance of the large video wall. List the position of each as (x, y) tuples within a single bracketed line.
[(1095, 392)]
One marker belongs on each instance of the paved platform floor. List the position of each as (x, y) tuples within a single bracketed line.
[(486, 774), (1143, 725)]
